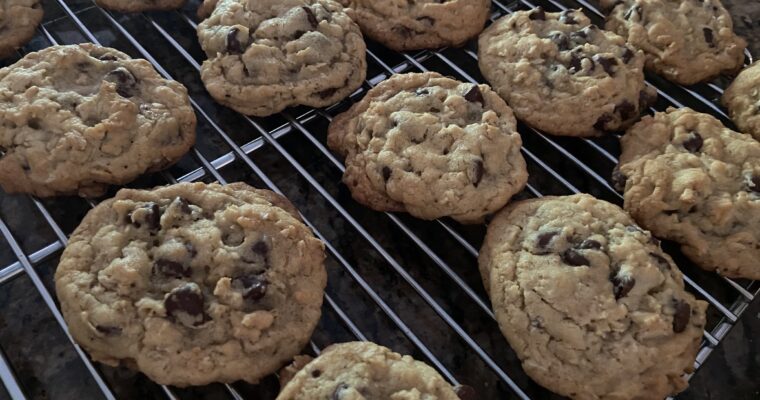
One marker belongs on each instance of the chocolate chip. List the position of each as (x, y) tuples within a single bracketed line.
[(631, 11), (681, 316), (607, 63), (311, 17), (327, 93), (634, 228), (474, 95), (538, 14), (402, 31), (261, 248), (254, 287), (709, 36), (108, 330), (574, 258), (693, 143), (170, 269), (154, 217), (427, 20), (421, 92), (126, 83), (183, 205), (185, 299), (151, 217), (621, 285), (590, 244), (561, 40), (618, 179), (233, 44), (107, 57), (339, 390), (191, 251), (465, 392), (625, 110), (387, 173), (566, 17), (752, 183), (316, 373), (478, 170), (662, 263), (627, 55), (601, 123), (544, 239), (575, 63)]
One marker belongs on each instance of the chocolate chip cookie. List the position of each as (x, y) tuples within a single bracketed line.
[(689, 179), (267, 55), (193, 283), (130, 6), (206, 8), (365, 370), (685, 41), (592, 306), (563, 75), (75, 119), (420, 24), (18, 22), (431, 146), (742, 99)]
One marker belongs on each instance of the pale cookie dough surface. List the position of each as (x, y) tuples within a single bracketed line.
[(685, 41), (592, 306), (431, 146), (18, 22), (193, 283), (420, 24), (689, 179), (130, 6), (563, 75), (364, 370), (266, 55), (75, 119), (742, 99)]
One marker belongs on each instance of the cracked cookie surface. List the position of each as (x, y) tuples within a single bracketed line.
[(563, 75), (431, 146), (18, 22), (592, 306), (193, 283), (75, 119), (365, 370), (129, 6), (420, 24), (689, 179), (686, 41), (266, 55), (742, 99)]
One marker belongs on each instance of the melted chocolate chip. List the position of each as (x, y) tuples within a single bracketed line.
[(184, 299), (621, 285), (601, 123), (311, 17), (575, 63), (625, 110), (126, 83), (574, 258), (465, 392), (618, 179), (170, 269), (561, 40), (752, 183), (681, 316), (566, 17), (474, 95), (427, 20), (387, 173), (662, 262), (154, 217), (607, 63), (402, 31), (538, 14), (339, 390), (108, 330), (479, 169), (627, 55), (709, 38), (254, 287), (327, 93), (693, 143), (184, 205), (107, 57), (233, 44), (544, 239), (590, 244), (261, 248), (191, 251)]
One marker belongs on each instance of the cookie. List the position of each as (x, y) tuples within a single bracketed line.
[(75, 119), (131, 6), (563, 75), (685, 41), (206, 8), (18, 23), (588, 301), (430, 146), (742, 99), (193, 283), (267, 55), (421, 24), (365, 370), (689, 179)]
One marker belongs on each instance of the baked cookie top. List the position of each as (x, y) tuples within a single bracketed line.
[(130, 6), (193, 283), (742, 99), (431, 146), (420, 24), (365, 370), (266, 55), (686, 41), (563, 75), (592, 306), (74, 119), (696, 182), (18, 22)]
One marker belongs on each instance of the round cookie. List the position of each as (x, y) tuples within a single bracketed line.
[(685, 41), (365, 370), (75, 119), (563, 75), (18, 23), (689, 179), (588, 301), (742, 99), (193, 283), (420, 24), (267, 55), (130, 6), (431, 146)]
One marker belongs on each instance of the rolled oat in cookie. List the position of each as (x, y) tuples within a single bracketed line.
[(266, 55), (76, 119), (193, 283)]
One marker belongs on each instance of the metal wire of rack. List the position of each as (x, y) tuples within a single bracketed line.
[(409, 284)]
